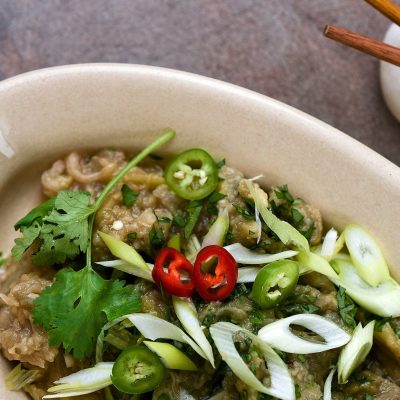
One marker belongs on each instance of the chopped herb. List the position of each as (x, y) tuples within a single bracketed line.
[(212, 210), (179, 220), (301, 358), (381, 322), (256, 318), (194, 210), (296, 215), (163, 220), (282, 193), (129, 196), (307, 233), (132, 235), (37, 214), (347, 308), (215, 197), (220, 164), (209, 319), (229, 237), (297, 391), (238, 291), (292, 309), (244, 213), (156, 237)]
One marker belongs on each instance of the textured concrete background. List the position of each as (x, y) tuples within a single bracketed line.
[(274, 47)]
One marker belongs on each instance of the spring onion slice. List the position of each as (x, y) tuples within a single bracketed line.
[(286, 232), (246, 275), (281, 386), (193, 246), (83, 382), (243, 255), (355, 352), (366, 255), (123, 251), (328, 245), (123, 266), (313, 262), (279, 336), (218, 230), (383, 300), (172, 357), (328, 385), (19, 377), (153, 328), (187, 314)]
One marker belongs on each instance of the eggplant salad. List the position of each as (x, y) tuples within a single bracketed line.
[(181, 279)]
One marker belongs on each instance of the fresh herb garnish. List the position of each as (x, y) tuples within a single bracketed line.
[(221, 163), (292, 309), (75, 307), (244, 213), (347, 308), (194, 210), (2, 260), (212, 202), (282, 193), (163, 220), (296, 215), (179, 220), (156, 237), (129, 196), (379, 323), (131, 235), (37, 214), (78, 304)]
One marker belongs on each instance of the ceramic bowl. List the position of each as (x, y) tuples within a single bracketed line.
[(46, 113)]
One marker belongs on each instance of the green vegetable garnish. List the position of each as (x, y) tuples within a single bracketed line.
[(79, 303), (129, 196), (347, 308), (194, 210)]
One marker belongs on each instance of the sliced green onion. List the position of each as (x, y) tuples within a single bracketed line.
[(355, 352), (243, 255), (83, 382), (286, 232), (153, 328), (123, 266), (281, 386), (366, 255), (123, 251), (193, 246), (383, 300), (279, 335), (186, 312), (218, 230), (313, 262), (328, 385), (171, 356), (328, 245), (339, 244), (175, 242), (247, 274), (19, 377)]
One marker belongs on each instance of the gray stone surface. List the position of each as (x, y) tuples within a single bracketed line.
[(274, 47)]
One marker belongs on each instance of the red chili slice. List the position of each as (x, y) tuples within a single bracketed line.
[(174, 272), (215, 273)]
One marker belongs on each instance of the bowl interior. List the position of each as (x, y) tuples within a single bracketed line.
[(47, 113)]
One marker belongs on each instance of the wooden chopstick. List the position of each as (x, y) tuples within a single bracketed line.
[(387, 8), (363, 43)]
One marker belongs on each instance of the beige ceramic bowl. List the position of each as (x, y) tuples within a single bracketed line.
[(47, 113)]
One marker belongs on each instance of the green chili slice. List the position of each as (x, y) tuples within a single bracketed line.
[(275, 282), (192, 175), (137, 370)]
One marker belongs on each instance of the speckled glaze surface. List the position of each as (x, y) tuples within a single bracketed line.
[(46, 113)]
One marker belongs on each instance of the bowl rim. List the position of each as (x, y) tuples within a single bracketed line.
[(331, 133)]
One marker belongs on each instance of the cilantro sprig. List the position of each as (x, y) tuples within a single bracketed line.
[(76, 306)]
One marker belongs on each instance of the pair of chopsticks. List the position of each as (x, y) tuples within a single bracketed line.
[(366, 44)]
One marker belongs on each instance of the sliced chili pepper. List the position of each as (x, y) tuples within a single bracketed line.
[(137, 370), (192, 175), (174, 272), (275, 282), (215, 273)]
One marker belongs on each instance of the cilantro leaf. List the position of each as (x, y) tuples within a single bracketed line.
[(220, 164), (78, 304), (129, 196), (62, 234), (292, 309), (379, 323), (194, 210), (38, 213), (347, 308)]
